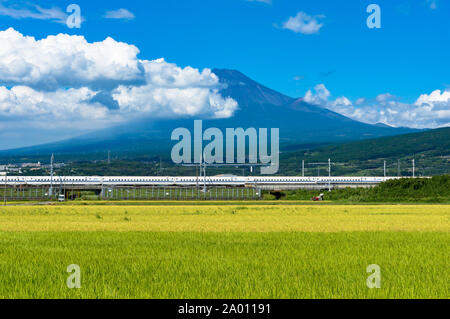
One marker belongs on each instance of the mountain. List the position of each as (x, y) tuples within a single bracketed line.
[(300, 124), (247, 92)]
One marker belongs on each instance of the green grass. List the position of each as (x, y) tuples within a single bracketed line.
[(423, 190), (224, 251), (223, 265)]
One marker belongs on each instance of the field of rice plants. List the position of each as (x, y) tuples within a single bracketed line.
[(224, 251)]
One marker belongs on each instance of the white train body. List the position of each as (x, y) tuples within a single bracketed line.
[(188, 180)]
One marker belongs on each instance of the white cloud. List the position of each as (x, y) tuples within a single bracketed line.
[(33, 11), (303, 23), (429, 111), (173, 91), (434, 98), (71, 107), (66, 60), (342, 101), (121, 14), (319, 97), (66, 81)]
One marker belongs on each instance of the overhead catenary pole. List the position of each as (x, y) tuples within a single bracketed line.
[(4, 191), (203, 165), (329, 174), (198, 172), (303, 168), (197, 168), (329, 170), (204, 175), (414, 167), (50, 191)]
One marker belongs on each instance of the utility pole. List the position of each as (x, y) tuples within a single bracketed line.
[(303, 168), (204, 175), (414, 167), (329, 174), (398, 168), (50, 191), (4, 191), (329, 171), (384, 169), (197, 168)]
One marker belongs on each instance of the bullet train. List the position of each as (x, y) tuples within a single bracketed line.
[(186, 180)]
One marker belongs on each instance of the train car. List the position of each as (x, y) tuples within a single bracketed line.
[(190, 180)]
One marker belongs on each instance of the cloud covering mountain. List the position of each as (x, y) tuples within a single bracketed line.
[(67, 82)]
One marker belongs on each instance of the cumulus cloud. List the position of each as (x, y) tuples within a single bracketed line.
[(67, 61), (65, 105), (173, 91), (66, 80), (120, 14), (429, 110), (434, 98), (304, 23), (319, 96)]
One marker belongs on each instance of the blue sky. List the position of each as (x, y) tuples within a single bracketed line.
[(338, 62)]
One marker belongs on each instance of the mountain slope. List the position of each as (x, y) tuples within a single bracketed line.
[(259, 107), (429, 149), (433, 142), (248, 92)]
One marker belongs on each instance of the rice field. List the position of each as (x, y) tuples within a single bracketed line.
[(225, 251)]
